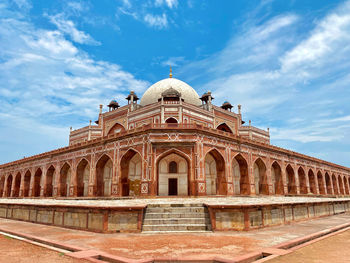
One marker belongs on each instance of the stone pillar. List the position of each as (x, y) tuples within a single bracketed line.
[(92, 179), (229, 172), (21, 186), (4, 192), (251, 174), (269, 177), (284, 178), (307, 181), (31, 184), (55, 181)]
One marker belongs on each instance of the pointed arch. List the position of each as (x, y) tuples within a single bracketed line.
[(116, 128), (17, 185), (82, 178), (9, 185), (276, 176), (260, 177), (335, 184), (224, 127), (183, 175), (2, 185), (171, 120), (291, 182), (302, 181), (240, 175), (328, 184), (131, 171), (49, 181), (26, 183), (312, 182), (320, 181), (104, 170), (215, 173), (37, 182), (65, 175)]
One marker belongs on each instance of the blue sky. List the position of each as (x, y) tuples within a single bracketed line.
[(286, 62)]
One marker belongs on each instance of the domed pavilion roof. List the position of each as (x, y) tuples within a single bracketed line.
[(153, 93)]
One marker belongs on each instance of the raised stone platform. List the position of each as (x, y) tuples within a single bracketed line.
[(128, 215)]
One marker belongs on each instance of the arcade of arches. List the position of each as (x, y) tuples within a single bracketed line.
[(173, 174)]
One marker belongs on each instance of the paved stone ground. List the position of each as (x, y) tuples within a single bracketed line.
[(225, 200), (198, 246), (16, 251), (332, 249)]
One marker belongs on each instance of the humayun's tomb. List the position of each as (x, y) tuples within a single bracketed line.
[(171, 142)]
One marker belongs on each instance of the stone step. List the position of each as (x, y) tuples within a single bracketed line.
[(175, 221), (175, 227), (175, 215), (175, 209)]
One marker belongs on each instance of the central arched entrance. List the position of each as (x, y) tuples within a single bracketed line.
[(173, 171), (302, 181), (65, 176), (131, 170), (215, 173)]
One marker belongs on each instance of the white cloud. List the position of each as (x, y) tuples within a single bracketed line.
[(48, 84), (156, 20), (297, 87), (173, 61), (169, 3), (69, 28)]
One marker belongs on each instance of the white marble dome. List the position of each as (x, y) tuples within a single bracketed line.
[(153, 93)]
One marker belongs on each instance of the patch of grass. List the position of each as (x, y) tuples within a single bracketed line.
[(61, 254), (8, 237)]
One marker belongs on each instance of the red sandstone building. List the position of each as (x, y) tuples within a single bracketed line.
[(172, 142)]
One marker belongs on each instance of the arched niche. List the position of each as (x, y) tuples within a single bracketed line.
[(276, 177), (291, 184), (224, 127), (82, 179), (131, 171), (49, 181), (335, 185), (215, 173), (37, 182), (17, 185), (240, 176), (171, 120), (104, 171), (65, 177), (302, 181), (169, 182), (260, 178), (341, 185), (312, 182), (320, 182), (9, 185), (328, 184), (26, 184), (116, 128)]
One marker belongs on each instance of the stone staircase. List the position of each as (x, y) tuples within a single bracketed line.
[(176, 218)]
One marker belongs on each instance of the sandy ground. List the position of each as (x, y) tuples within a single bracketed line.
[(199, 246), (332, 249), (17, 251)]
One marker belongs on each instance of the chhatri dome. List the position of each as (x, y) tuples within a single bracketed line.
[(153, 93)]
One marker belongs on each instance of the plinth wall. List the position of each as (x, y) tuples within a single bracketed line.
[(248, 217), (95, 219)]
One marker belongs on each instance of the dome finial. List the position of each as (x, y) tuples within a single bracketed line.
[(171, 73)]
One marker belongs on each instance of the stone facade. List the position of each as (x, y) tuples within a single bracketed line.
[(171, 147)]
